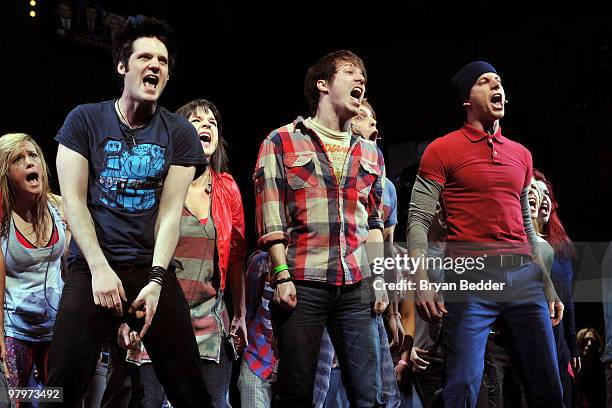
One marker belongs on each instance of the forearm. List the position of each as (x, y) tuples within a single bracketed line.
[(388, 234), (166, 239), (277, 255), (425, 196), (549, 289), (374, 245), (83, 231), (408, 317), (237, 284), (168, 221)]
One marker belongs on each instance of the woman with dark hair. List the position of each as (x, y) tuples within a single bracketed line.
[(562, 273), (211, 252), (33, 238)]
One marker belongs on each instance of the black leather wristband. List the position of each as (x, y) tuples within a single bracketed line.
[(159, 275), (283, 280)]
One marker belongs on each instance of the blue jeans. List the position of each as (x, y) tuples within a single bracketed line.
[(467, 326), (353, 332), (326, 390)]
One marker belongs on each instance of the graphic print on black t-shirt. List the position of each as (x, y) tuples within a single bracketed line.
[(131, 176)]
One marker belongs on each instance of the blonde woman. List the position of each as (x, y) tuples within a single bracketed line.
[(33, 239)]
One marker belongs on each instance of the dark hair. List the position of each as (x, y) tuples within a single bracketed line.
[(325, 68), (123, 42), (553, 230), (218, 160), (582, 334)]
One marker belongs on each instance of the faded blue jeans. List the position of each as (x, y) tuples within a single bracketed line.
[(525, 310), (328, 384)]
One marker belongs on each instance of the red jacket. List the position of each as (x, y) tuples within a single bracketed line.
[(228, 216)]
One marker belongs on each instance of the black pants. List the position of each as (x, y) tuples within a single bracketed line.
[(82, 327)]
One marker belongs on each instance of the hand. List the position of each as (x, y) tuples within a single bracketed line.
[(397, 332), (238, 331), (429, 304), (393, 329), (128, 339), (556, 311), (401, 374), (401, 334), (418, 364), (381, 297), (576, 364), (284, 294), (108, 290), (146, 302)]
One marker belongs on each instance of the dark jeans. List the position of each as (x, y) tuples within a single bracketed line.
[(82, 327), (123, 382), (353, 332), (429, 382), (466, 329), (500, 386), (609, 384)]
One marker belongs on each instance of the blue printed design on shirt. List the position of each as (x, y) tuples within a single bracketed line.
[(132, 176)]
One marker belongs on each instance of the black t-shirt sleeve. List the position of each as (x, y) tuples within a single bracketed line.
[(73, 133), (187, 148)]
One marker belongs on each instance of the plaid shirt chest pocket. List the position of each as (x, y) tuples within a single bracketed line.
[(367, 174), (300, 170)]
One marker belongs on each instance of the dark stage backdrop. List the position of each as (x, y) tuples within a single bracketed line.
[(250, 59)]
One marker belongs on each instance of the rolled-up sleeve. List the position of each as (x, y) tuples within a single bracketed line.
[(269, 180)]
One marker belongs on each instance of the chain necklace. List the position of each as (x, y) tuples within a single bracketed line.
[(130, 127)]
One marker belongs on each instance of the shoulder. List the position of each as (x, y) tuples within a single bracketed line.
[(173, 120), (518, 149), (514, 144), (227, 180), (90, 111), (370, 149), (57, 204), (97, 108), (390, 187), (55, 200), (282, 132), (448, 140)]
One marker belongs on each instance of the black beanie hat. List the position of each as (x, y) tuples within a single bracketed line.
[(464, 80)]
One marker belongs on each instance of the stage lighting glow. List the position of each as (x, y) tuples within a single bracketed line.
[(32, 3), (32, 13)]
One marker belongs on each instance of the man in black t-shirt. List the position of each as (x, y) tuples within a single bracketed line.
[(124, 167)]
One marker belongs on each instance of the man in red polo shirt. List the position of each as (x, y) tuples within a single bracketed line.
[(483, 179)]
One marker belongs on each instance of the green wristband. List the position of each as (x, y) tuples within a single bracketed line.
[(280, 268)]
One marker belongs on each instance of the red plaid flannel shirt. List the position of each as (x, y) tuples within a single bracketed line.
[(323, 222)]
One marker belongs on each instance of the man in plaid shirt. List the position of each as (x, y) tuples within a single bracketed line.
[(319, 196)]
